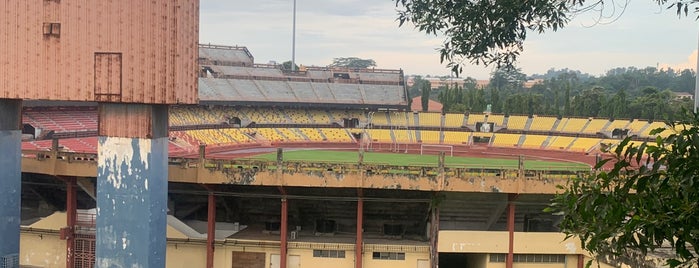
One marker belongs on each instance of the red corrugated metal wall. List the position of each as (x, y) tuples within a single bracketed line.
[(49, 49)]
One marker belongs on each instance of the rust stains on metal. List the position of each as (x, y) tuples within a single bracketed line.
[(109, 51)]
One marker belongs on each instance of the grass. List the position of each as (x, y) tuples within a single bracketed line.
[(327, 156)]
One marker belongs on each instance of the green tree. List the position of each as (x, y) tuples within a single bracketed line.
[(493, 31), (415, 89), (647, 200), (425, 88), (353, 62), (287, 66)]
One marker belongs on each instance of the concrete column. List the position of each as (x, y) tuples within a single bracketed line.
[(511, 229), (10, 180), (71, 218), (358, 260), (211, 231), (132, 185), (434, 234), (283, 233)]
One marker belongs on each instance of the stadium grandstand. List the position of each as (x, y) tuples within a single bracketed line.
[(324, 212)]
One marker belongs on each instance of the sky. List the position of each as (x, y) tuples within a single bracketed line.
[(644, 35)]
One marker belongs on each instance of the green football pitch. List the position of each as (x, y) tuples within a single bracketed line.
[(326, 156)]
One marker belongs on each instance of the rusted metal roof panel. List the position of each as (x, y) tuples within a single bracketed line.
[(97, 50)]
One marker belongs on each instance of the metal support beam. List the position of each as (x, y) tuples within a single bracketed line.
[(10, 180), (283, 233), (211, 231), (358, 260), (132, 173), (71, 218), (511, 229)]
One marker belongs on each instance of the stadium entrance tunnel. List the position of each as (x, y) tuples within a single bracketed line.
[(463, 260)]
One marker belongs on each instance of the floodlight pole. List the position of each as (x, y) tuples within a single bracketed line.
[(293, 41)]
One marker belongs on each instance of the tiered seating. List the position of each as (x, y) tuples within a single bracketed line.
[(517, 122), (619, 123), (319, 74), (572, 125), (646, 132), (429, 136), (319, 117), (211, 136), (636, 126), (222, 113), (237, 135), (453, 137), (291, 134), (313, 134), (247, 71), (584, 144), (506, 140), (269, 134), (379, 77), (498, 119), (430, 119), (380, 135), (64, 120), (404, 136), (182, 139), (542, 123), (336, 134), (338, 115), (453, 120), (44, 145), (401, 119), (534, 141), (560, 143), (226, 53), (80, 145), (379, 118), (595, 126), (475, 118), (297, 116), (265, 116)]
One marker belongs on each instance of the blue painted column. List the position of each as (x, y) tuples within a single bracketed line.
[(132, 186), (10, 181)]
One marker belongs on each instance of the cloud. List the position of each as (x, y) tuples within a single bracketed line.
[(641, 37), (690, 63)]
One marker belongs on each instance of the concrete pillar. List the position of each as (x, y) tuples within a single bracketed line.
[(358, 260), (132, 185), (434, 233), (10, 180), (511, 229), (211, 231), (71, 218), (283, 233)]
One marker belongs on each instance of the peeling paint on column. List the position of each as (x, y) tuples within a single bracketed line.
[(131, 202), (10, 196)]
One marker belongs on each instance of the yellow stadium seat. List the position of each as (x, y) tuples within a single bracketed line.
[(542, 123), (517, 122)]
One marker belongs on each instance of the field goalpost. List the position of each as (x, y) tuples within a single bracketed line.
[(447, 149)]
